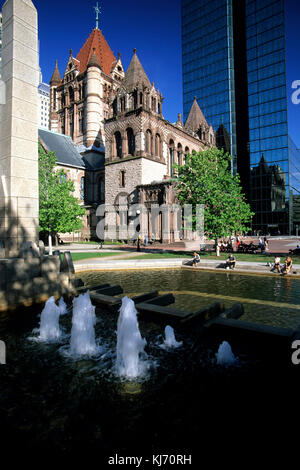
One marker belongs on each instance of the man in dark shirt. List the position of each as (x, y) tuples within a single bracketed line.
[(230, 262)]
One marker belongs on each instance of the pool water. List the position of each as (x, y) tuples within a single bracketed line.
[(268, 300), (53, 405)]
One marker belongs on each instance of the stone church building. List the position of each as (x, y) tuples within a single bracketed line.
[(125, 146)]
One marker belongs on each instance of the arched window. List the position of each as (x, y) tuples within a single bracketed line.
[(148, 142), (130, 141), (134, 99), (122, 103), (118, 144), (71, 94), (101, 190), (171, 154), (186, 152), (157, 149), (179, 154), (62, 177), (82, 188), (71, 125), (141, 98)]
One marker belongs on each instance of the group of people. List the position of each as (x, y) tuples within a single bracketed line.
[(282, 269), (227, 245), (230, 262)]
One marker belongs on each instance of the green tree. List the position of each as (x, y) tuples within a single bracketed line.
[(59, 210), (206, 179)]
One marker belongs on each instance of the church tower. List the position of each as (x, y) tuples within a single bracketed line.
[(54, 83), (79, 101)]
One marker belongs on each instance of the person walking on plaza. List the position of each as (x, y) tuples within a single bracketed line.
[(266, 243)]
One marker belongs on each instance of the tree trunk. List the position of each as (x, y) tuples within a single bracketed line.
[(50, 244)]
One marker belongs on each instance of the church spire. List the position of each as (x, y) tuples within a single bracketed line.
[(135, 74), (55, 79), (195, 118)]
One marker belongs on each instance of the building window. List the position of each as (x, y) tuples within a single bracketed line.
[(122, 178), (82, 187), (171, 154), (62, 177), (118, 144), (81, 122), (186, 152), (148, 142), (101, 190), (122, 103), (71, 94), (130, 141), (157, 145), (71, 125), (179, 155)]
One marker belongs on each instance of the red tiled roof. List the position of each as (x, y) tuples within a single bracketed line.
[(103, 51)]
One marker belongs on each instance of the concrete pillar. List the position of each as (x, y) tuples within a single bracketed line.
[(19, 126)]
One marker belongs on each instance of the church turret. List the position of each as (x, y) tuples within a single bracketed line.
[(136, 91), (94, 112), (54, 83), (196, 124)]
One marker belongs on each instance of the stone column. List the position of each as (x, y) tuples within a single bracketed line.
[(19, 126)]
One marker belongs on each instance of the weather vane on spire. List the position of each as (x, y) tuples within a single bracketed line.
[(97, 10)]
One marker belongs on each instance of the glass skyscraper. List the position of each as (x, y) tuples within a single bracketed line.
[(233, 56)]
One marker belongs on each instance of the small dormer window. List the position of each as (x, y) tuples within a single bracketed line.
[(70, 66)]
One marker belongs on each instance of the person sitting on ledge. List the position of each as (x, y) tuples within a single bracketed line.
[(276, 264), (196, 259), (230, 262), (287, 265)]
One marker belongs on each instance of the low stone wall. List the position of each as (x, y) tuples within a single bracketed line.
[(34, 279)]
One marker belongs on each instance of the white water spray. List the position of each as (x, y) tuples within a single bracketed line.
[(130, 344), (225, 355), (49, 325), (83, 326), (170, 340)]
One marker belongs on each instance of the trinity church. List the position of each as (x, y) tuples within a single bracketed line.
[(109, 134)]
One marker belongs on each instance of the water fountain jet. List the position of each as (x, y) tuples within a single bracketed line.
[(49, 325), (83, 326), (225, 355), (170, 340), (130, 344)]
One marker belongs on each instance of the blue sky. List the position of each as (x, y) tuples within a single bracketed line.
[(154, 29)]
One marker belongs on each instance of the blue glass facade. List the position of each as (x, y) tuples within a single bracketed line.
[(207, 59), (267, 101), (244, 87)]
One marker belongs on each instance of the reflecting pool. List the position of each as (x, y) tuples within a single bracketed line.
[(269, 300)]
